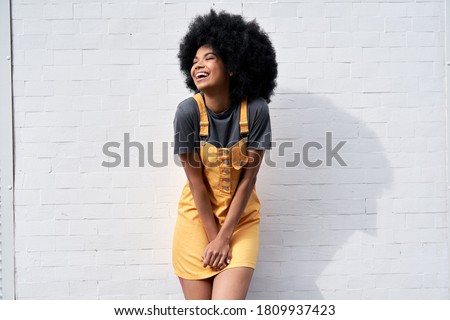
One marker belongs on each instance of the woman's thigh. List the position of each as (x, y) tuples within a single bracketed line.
[(197, 289), (232, 284)]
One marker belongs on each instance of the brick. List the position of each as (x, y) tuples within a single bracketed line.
[(83, 258), (393, 40), (153, 271), (76, 273), (316, 24), (56, 73), (398, 281), (117, 41), (371, 24), (115, 10), (285, 40), (93, 57), (69, 243), (87, 10), (341, 9), (67, 57), (83, 289), (41, 244), (90, 41), (342, 24), (331, 282), (124, 26), (366, 39), (283, 10), (30, 41), (62, 41), (432, 235), (313, 9), (65, 27), (116, 288), (435, 281), (43, 290), (58, 11), (393, 9), (145, 10), (139, 257), (421, 39), (421, 10), (124, 56), (256, 9), (175, 10), (36, 27), (38, 181), (27, 11), (145, 41), (37, 57), (94, 26), (398, 24), (375, 54), (27, 72), (83, 227), (111, 257), (427, 24), (125, 273)]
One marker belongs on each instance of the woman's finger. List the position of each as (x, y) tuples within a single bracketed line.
[(207, 258), (222, 264), (229, 255), (216, 261)]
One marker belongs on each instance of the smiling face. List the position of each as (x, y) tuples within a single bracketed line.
[(208, 71)]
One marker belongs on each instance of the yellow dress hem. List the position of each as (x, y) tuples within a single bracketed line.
[(210, 273)]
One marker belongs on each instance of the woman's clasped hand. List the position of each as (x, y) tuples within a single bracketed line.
[(217, 254)]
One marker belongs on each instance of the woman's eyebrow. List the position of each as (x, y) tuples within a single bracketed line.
[(211, 52)]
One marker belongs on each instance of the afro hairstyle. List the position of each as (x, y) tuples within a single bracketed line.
[(244, 47)]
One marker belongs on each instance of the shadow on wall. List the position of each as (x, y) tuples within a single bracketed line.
[(309, 213)]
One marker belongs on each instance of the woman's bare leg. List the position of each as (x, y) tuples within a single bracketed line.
[(197, 289), (232, 284)]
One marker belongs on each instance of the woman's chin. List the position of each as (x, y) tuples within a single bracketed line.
[(202, 87)]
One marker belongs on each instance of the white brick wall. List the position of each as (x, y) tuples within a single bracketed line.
[(372, 73)]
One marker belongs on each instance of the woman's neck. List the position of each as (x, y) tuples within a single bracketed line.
[(217, 103)]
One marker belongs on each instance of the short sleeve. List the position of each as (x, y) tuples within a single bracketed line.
[(260, 132), (185, 128)]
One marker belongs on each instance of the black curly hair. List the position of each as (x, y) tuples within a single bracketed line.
[(244, 47)]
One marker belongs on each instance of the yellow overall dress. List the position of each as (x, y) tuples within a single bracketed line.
[(222, 168)]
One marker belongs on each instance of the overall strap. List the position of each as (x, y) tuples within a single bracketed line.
[(203, 115), (243, 121)]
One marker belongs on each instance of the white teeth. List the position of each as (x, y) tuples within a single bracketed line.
[(201, 75)]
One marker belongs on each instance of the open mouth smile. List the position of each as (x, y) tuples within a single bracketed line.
[(201, 75)]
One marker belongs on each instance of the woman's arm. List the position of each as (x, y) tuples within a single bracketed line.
[(193, 169), (217, 250)]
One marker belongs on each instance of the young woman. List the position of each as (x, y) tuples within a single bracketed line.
[(220, 136)]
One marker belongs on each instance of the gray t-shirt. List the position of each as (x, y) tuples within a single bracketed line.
[(223, 127)]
